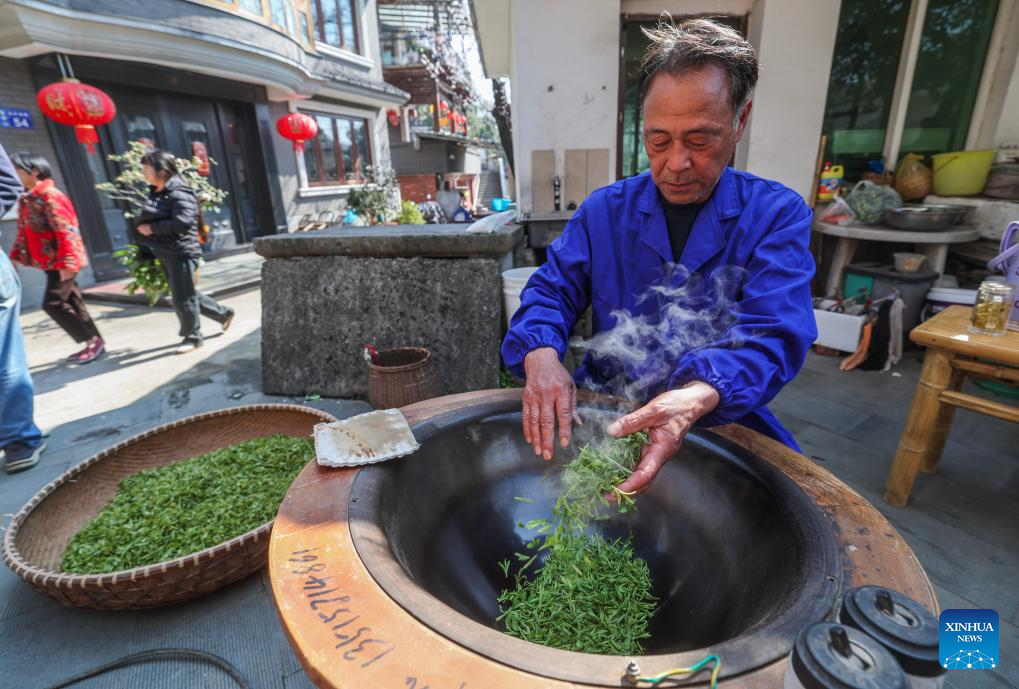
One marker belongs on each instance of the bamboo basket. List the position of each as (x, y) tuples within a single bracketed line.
[(404, 376), (41, 530)]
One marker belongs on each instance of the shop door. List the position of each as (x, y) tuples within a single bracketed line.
[(113, 231), (238, 142), (197, 134), (137, 120)]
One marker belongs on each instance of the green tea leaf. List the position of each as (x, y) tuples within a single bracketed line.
[(161, 514)]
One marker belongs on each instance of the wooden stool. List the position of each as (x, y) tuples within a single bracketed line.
[(953, 353)]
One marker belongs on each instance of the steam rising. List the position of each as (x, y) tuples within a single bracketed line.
[(686, 313)]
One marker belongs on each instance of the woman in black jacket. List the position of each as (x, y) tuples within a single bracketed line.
[(169, 225)]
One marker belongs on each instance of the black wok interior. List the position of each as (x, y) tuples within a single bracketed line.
[(732, 544), (740, 557)]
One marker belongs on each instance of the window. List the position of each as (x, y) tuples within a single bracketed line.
[(253, 6), (280, 13), (953, 46), (422, 117), (336, 24), (863, 91), (862, 83), (340, 153), (291, 17), (305, 28)]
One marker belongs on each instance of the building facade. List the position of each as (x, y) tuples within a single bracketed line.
[(879, 78), (207, 78), (430, 141)]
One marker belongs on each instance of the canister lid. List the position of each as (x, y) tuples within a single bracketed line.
[(899, 623), (834, 656)]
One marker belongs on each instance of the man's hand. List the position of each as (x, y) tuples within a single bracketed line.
[(549, 396), (667, 418), (145, 229), (66, 275)]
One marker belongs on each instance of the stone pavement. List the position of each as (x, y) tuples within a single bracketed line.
[(140, 384), (219, 277)]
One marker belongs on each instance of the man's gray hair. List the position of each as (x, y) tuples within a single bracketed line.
[(693, 43)]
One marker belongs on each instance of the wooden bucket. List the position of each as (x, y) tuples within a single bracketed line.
[(405, 375)]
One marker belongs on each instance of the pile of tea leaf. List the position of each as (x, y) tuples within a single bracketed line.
[(160, 514), (591, 595)]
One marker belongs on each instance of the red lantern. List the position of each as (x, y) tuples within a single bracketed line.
[(393, 117), (297, 127), (443, 106), (78, 105)]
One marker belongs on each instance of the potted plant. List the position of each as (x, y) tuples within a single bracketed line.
[(376, 201)]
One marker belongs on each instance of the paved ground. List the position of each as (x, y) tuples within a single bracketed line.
[(230, 274), (961, 522), (138, 385)]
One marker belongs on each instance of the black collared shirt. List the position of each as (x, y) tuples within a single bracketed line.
[(679, 219)]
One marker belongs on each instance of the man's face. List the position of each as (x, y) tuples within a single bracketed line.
[(688, 132)]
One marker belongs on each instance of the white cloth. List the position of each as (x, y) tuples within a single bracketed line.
[(491, 223), (364, 439), (895, 334)]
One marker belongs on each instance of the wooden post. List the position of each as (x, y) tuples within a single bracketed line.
[(818, 168), (925, 425)]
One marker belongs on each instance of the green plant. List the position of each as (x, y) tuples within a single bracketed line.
[(506, 379), (410, 214), (130, 187), (146, 273), (375, 201), (591, 595), (160, 514)]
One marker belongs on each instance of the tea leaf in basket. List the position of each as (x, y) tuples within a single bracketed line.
[(160, 514)]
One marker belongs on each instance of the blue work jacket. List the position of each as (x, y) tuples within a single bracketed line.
[(735, 313)]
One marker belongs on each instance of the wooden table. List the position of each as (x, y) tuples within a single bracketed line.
[(953, 354), (933, 245), (393, 649)]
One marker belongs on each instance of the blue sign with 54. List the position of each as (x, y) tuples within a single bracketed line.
[(15, 118)]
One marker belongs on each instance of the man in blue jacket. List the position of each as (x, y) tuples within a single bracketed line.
[(20, 439), (697, 274)]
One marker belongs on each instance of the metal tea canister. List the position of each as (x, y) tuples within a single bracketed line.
[(995, 299), (835, 656), (907, 629)]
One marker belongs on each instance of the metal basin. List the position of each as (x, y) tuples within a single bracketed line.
[(740, 557), (932, 217)]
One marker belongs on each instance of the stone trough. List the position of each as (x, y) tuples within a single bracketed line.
[(326, 293)]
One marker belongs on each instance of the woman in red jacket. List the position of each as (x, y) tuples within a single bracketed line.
[(48, 239)]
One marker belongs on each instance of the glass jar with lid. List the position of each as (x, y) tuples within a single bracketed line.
[(992, 307)]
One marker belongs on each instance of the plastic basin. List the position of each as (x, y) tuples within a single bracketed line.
[(962, 173)]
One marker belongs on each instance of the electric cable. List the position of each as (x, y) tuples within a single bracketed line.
[(685, 672), (159, 654)]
